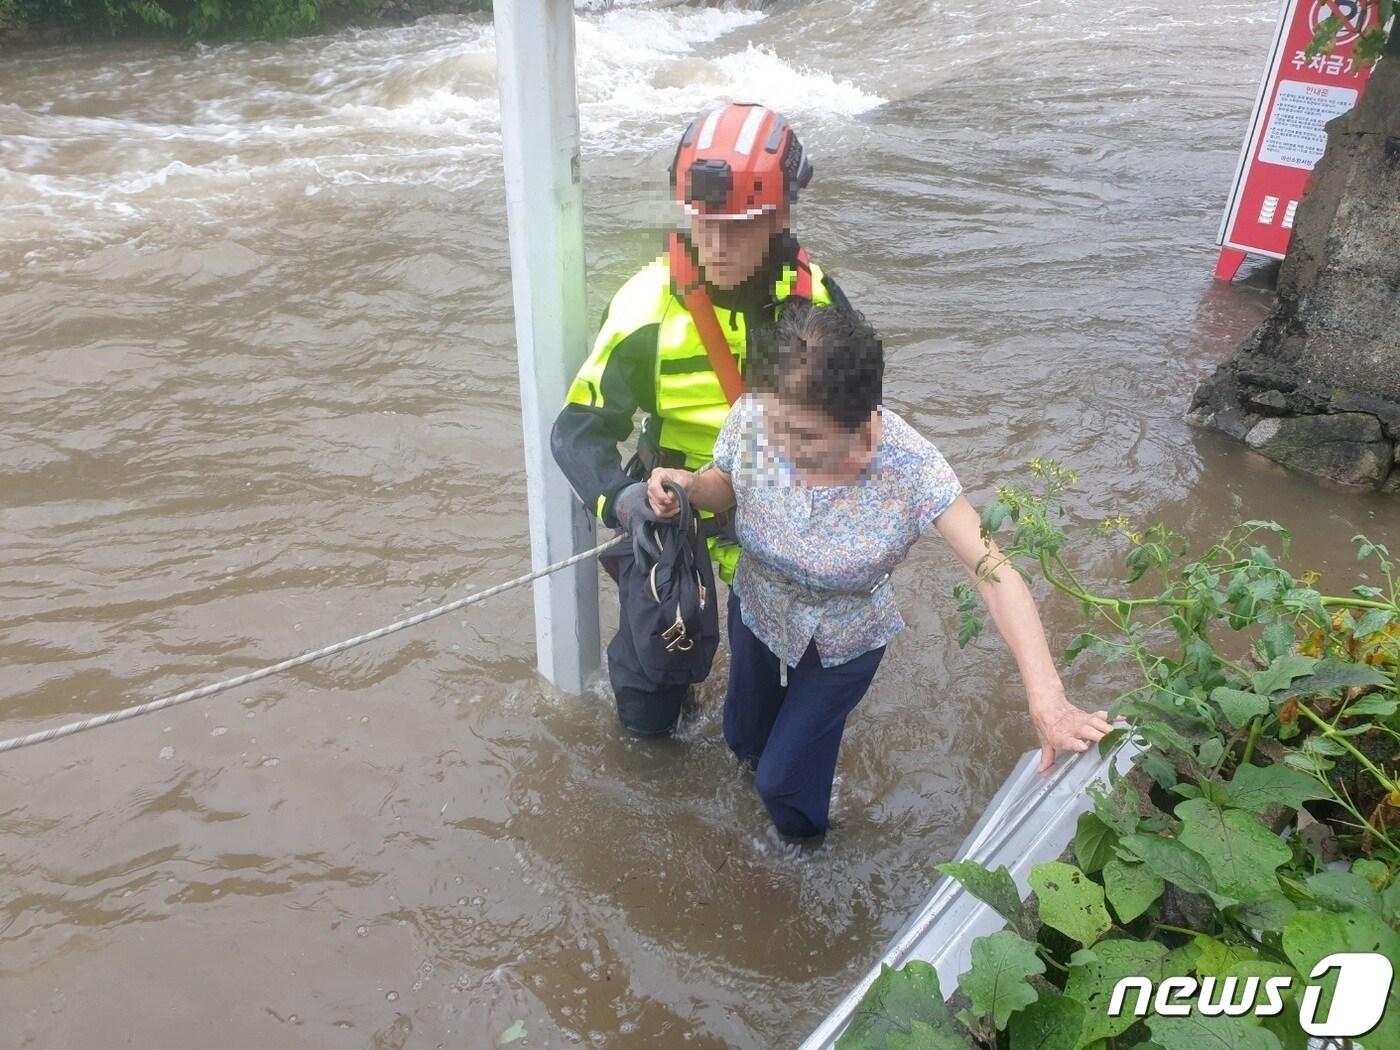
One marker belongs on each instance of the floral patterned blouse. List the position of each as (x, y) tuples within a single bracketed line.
[(817, 559)]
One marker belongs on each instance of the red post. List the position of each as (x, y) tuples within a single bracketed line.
[(1228, 264)]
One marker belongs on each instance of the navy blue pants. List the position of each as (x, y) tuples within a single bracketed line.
[(790, 734)]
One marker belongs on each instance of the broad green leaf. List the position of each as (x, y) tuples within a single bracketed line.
[(1243, 855), (1321, 745), (1108, 742), (1255, 788), (1374, 872), (994, 515), (993, 888), (1214, 792), (1305, 599), (1357, 730), (1376, 705), (511, 1034), (1158, 768), (1070, 901), (968, 1019), (1264, 969), (1332, 676), (921, 1036), (1343, 891), (1131, 888), (1308, 762), (1390, 900), (1277, 639), (997, 983), (1285, 1025), (1196, 1030), (1287, 1029), (1217, 957), (1083, 957), (1183, 959), (1118, 808), (896, 1002), (1164, 737), (1209, 753), (1373, 621), (1052, 1022), (1267, 913), (1093, 842), (1091, 982), (1170, 860), (1239, 706), (1201, 657), (1311, 936), (1281, 672)]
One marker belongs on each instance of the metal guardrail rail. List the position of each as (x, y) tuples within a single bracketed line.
[(1030, 820)]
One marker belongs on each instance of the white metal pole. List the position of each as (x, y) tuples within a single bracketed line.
[(544, 211)]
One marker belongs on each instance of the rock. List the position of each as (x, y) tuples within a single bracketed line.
[(1388, 412), (1269, 399), (1202, 416), (1235, 422), (1346, 447), (1262, 433), (1326, 362)]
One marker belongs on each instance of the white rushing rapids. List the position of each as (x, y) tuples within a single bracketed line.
[(94, 151)]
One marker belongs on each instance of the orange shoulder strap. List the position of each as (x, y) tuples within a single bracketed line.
[(685, 275), (802, 287)]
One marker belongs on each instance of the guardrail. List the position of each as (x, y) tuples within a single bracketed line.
[(1030, 820)]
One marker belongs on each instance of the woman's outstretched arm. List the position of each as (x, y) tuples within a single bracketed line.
[(1059, 725)]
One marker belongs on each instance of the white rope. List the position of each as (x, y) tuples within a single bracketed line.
[(43, 736)]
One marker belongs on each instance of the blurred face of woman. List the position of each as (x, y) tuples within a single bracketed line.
[(733, 250), (821, 449)]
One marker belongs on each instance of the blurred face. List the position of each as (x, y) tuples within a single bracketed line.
[(823, 451), (733, 250)]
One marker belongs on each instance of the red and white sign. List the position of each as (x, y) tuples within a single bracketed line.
[(1299, 95)]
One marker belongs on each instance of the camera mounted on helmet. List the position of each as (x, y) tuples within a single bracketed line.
[(737, 162)]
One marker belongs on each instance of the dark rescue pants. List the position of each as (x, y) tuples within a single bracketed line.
[(644, 708), (790, 734)]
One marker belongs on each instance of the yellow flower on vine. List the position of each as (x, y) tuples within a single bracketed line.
[(1120, 524)]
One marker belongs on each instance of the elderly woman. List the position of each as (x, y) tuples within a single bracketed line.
[(832, 490)]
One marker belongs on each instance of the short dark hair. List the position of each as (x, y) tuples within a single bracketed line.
[(826, 358)]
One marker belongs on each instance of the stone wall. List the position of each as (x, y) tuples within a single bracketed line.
[(1316, 386)]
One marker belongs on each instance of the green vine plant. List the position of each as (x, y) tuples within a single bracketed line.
[(193, 20), (1258, 833), (1370, 44)]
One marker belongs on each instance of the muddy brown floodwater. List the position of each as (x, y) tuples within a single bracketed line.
[(258, 394)]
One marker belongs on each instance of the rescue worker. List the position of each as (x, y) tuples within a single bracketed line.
[(674, 343)]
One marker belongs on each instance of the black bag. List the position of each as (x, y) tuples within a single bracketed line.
[(667, 591)]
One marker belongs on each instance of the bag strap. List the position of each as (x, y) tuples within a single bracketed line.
[(689, 589), (691, 288), (649, 543)]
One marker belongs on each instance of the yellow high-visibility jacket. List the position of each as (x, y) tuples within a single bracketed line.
[(649, 356)]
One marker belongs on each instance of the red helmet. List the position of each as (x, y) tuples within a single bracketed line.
[(737, 162)]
